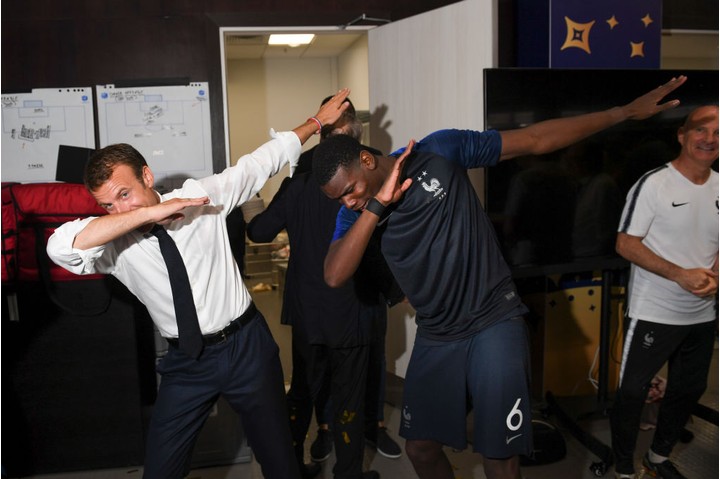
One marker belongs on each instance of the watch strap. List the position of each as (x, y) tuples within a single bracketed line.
[(375, 207)]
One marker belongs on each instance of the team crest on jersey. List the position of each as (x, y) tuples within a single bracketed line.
[(432, 186)]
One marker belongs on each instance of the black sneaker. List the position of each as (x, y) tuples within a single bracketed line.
[(384, 444), (322, 445), (371, 475), (661, 470)]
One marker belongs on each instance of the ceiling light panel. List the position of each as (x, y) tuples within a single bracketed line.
[(292, 40)]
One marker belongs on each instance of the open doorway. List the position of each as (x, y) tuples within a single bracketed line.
[(271, 86)]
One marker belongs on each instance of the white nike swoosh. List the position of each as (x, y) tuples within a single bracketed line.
[(508, 440)]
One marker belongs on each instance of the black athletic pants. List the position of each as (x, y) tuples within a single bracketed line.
[(348, 370), (688, 351)]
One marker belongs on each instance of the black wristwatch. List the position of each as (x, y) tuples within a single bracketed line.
[(375, 207)]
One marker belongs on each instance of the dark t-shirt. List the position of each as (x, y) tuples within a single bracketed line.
[(318, 313)]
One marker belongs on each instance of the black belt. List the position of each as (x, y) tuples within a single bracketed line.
[(222, 335)]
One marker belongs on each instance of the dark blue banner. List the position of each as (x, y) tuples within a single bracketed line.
[(605, 33)]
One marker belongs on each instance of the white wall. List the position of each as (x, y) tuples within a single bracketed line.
[(427, 70), (353, 72)]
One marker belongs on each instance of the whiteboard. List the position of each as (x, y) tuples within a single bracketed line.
[(35, 124), (168, 125)]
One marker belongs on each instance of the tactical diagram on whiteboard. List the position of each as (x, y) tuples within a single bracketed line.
[(169, 125), (35, 124)]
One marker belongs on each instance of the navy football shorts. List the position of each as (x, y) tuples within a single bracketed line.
[(488, 373)]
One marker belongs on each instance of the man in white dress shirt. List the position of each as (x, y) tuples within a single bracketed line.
[(239, 357)]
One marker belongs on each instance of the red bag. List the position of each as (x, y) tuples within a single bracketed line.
[(30, 214)]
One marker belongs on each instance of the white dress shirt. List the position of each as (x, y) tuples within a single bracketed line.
[(201, 237)]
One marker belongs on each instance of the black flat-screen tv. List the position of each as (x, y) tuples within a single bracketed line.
[(564, 207)]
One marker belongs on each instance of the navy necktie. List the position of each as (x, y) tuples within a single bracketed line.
[(189, 334)]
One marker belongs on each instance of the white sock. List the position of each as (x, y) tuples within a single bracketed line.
[(656, 458)]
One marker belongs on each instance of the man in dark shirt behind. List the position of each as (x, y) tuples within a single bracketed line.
[(332, 328)]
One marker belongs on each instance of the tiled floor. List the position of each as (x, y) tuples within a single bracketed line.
[(697, 459)]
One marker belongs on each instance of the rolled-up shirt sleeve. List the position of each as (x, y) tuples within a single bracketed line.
[(61, 252)]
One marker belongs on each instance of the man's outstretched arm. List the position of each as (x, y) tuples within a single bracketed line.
[(104, 229), (550, 135)]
